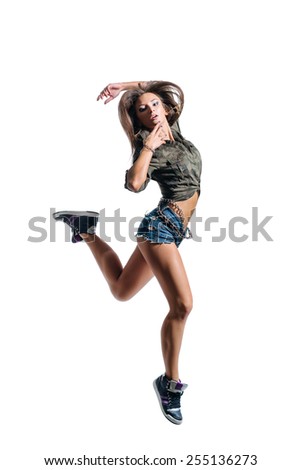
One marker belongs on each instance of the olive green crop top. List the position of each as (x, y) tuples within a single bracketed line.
[(175, 165)]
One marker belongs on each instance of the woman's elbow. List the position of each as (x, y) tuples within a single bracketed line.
[(134, 184)]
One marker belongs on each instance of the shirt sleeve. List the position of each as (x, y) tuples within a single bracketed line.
[(149, 171)]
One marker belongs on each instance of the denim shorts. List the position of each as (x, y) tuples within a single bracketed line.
[(163, 225)]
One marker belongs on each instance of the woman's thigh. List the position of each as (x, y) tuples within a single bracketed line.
[(166, 263)]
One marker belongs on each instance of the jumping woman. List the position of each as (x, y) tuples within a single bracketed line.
[(149, 113)]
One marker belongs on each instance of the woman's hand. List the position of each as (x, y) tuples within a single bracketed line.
[(157, 137), (110, 92)]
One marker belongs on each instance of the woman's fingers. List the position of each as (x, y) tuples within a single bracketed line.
[(157, 137), (101, 95), (104, 94), (109, 99), (160, 132), (157, 127)]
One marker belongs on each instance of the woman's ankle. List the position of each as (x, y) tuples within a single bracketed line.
[(88, 237)]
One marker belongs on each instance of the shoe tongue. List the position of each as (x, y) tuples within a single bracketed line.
[(177, 386)]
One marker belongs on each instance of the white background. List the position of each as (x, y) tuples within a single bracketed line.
[(76, 365)]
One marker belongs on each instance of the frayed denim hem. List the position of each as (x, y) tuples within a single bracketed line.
[(153, 242)]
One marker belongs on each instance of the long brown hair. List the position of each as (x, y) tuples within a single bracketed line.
[(170, 94)]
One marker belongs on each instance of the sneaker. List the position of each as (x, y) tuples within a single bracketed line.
[(169, 394), (79, 222)]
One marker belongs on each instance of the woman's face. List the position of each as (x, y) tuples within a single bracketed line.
[(150, 110)]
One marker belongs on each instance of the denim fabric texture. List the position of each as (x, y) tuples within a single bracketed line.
[(156, 229)]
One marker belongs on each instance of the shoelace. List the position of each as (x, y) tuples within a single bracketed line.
[(174, 399), (73, 227), (69, 221)]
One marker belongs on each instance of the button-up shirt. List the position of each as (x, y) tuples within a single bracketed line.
[(176, 166)]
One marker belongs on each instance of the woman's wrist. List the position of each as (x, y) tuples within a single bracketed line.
[(148, 148)]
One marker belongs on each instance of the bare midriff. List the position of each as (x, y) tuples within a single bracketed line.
[(187, 207)]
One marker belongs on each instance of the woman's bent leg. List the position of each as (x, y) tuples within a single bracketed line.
[(126, 281)]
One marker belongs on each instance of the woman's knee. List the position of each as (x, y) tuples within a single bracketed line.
[(121, 293), (181, 308)]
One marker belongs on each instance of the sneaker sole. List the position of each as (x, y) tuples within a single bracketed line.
[(170, 418), (57, 215)]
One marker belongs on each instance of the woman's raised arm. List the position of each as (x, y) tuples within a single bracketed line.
[(112, 90)]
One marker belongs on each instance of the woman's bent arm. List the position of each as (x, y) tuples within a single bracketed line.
[(137, 174), (112, 90)]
